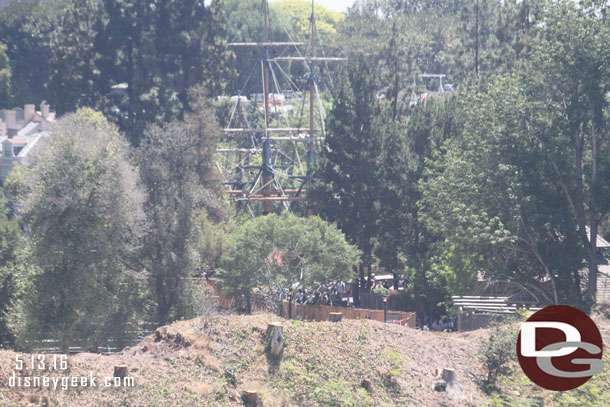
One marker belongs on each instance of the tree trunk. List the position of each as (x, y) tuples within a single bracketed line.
[(248, 304), (592, 283), (356, 289), (250, 398), (275, 339), (120, 371), (335, 316), (162, 304)]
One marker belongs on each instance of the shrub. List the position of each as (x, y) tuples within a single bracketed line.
[(497, 353)]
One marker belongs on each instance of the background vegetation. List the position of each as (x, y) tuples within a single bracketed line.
[(124, 208)]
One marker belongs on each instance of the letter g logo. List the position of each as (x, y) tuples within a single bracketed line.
[(555, 344)]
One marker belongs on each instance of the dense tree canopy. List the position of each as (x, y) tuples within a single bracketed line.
[(5, 77), (348, 166), (160, 52), (278, 253), (182, 184), (25, 29), (10, 242), (503, 176), (75, 77), (82, 206)]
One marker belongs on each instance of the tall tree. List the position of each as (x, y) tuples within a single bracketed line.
[(161, 51), (275, 253), (494, 199), (25, 29), (176, 165), (82, 206), (5, 77), (75, 78), (495, 35), (569, 81), (347, 190), (10, 242), (403, 241)]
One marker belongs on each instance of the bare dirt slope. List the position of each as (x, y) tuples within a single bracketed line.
[(323, 364)]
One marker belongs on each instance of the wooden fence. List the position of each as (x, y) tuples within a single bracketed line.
[(395, 301), (322, 312), (257, 303), (315, 312)]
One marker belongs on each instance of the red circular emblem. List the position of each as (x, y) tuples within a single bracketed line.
[(560, 348)]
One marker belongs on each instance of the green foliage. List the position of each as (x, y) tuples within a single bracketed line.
[(348, 185), (10, 243), (82, 206), (25, 29), (5, 77), (274, 253), (295, 15), (459, 274), (75, 77), (569, 116), (403, 239), (178, 173), (517, 190), (462, 39), (497, 353), (161, 52), (490, 195)]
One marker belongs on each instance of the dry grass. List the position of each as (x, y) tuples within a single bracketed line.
[(323, 365)]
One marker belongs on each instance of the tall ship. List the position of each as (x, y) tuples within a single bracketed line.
[(267, 151)]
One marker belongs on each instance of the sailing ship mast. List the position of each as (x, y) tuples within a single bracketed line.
[(271, 190)]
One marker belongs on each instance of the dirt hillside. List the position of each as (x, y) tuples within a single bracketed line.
[(191, 363)]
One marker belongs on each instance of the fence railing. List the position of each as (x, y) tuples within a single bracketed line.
[(314, 312), (322, 313)]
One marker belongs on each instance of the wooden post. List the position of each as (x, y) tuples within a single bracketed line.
[(335, 316), (275, 338), (250, 398), (120, 371), (453, 388), (449, 375), (367, 385)]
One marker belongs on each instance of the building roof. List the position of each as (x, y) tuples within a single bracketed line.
[(13, 141), (601, 242)]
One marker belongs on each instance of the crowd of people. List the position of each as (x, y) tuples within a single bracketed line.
[(444, 324), (335, 294), (339, 294)]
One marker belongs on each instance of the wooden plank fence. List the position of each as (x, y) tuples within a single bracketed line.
[(315, 312), (322, 312)]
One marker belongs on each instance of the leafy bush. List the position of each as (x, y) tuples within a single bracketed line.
[(497, 353)]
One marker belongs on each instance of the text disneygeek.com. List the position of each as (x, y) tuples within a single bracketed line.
[(68, 382), (42, 367)]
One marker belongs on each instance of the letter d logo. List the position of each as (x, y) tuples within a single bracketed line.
[(528, 338), (560, 348)]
